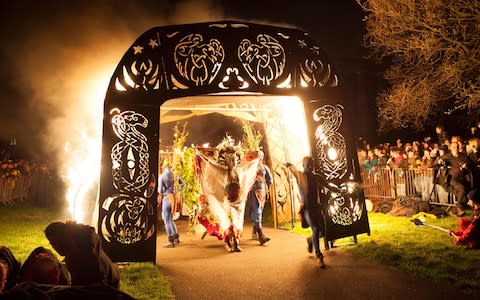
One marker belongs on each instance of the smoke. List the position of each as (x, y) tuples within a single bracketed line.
[(59, 59)]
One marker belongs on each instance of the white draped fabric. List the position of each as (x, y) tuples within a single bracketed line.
[(213, 179)]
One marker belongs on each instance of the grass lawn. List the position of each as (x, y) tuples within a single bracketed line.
[(394, 241), (22, 231), (423, 251)]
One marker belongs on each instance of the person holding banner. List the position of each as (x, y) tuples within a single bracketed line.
[(312, 189)]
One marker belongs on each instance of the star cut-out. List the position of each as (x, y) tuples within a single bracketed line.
[(153, 43), (302, 44), (137, 49)]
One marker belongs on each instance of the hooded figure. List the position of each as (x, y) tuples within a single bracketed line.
[(9, 268), (43, 267), (85, 259)]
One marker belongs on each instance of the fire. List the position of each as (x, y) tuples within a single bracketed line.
[(292, 113), (82, 152)]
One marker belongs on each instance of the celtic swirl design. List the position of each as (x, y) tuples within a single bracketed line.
[(264, 61), (130, 158), (330, 145), (343, 211), (126, 219), (198, 61)]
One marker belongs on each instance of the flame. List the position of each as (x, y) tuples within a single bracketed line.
[(82, 152), (292, 112)]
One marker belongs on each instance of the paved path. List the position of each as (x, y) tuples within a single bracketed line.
[(282, 269)]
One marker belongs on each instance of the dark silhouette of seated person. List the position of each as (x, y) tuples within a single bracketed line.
[(43, 267), (9, 268), (85, 259)]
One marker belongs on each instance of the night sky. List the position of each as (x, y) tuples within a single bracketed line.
[(50, 48)]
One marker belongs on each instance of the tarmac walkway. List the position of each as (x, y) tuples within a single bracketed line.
[(282, 269)]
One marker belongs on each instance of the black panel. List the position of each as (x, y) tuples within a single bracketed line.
[(184, 60), (127, 203), (333, 149)]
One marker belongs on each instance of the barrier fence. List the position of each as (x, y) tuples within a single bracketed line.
[(14, 188), (379, 183), (384, 183)]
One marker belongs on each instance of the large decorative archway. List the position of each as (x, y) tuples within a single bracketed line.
[(202, 59)]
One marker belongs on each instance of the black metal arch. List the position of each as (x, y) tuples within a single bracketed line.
[(219, 57)]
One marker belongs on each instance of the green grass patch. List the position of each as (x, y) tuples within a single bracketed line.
[(22, 231), (423, 251)]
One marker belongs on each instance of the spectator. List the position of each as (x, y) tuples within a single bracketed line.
[(473, 132), (380, 153), (86, 261), (459, 166), (413, 160), (371, 161), (43, 267), (9, 268), (362, 157), (442, 135), (459, 141), (397, 160), (427, 160), (468, 233), (472, 150)]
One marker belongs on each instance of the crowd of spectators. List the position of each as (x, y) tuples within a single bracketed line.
[(26, 179), (455, 158), (419, 153)]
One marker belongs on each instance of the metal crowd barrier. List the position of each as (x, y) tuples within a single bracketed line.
[(14, 188), (384, 183)]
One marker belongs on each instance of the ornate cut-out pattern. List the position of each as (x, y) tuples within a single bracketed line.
[(126, 219), (332, 161), (232, 80), (344, 210), (130, 155), (315, 73), (126, 216), (142, 72), (264, 61), (177, 59), (198, 61), (330, 144)]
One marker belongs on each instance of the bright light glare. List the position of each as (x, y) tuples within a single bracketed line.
[(332, 154), (81, 158), (292, 113)]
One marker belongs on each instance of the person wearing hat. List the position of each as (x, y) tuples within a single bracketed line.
[(468, 233)]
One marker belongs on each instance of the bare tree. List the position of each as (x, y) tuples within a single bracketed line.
[(435, 50)]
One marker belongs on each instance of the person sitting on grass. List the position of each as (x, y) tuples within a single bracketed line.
[(9, 268), (85, 259), (43, 267), (468, 233)]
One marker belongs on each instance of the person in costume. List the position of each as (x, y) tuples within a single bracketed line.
[(167, 200), (257, 196), (312, 192), (468, 234)]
